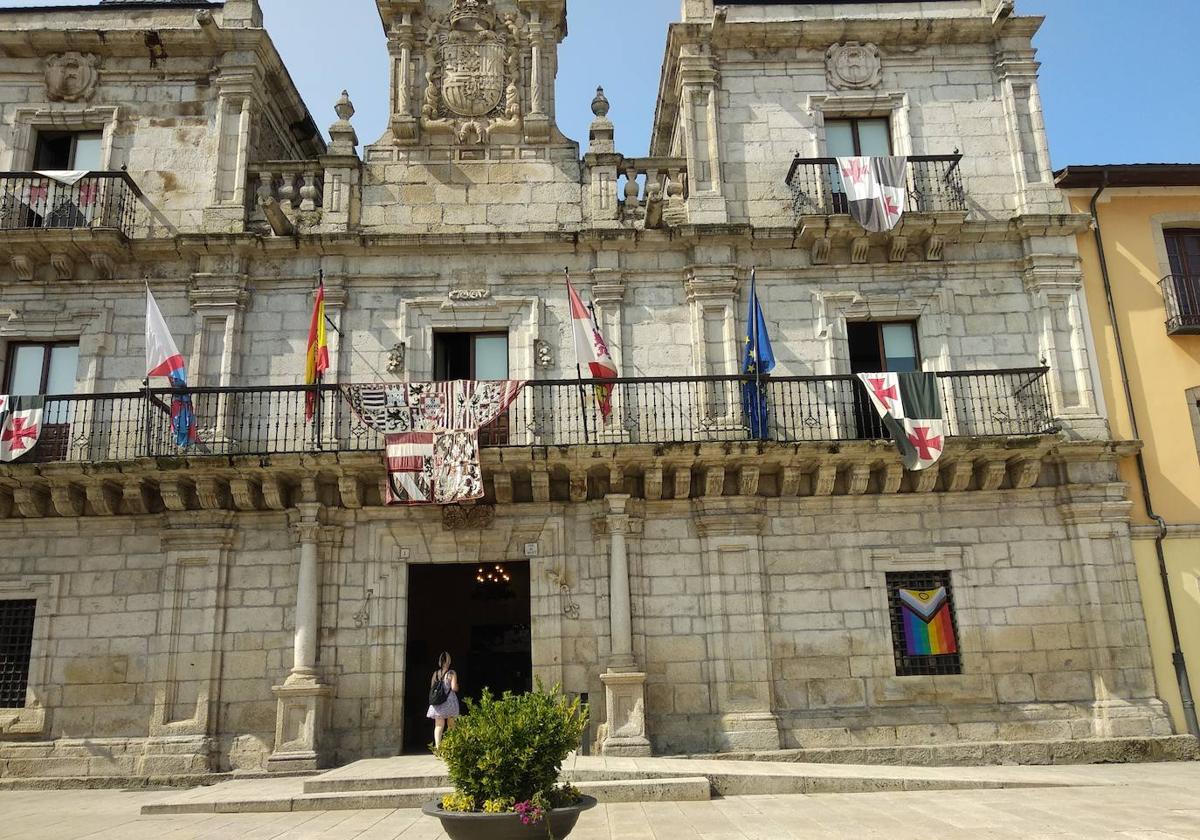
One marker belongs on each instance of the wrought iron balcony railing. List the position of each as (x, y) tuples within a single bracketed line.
[(935, 185), (271, 420), (97, 201), (1181, 292)]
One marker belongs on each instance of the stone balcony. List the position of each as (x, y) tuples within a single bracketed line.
[(48, 225), (667, 438), (934, 212)]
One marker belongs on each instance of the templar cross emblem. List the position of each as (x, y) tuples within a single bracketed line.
[(926, 443), (19, 433), (857, 170), (887, 396)]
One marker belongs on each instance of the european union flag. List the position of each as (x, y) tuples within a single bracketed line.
[(758, 359)]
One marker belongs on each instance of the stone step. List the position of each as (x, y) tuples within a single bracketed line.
[(983, 753), (214, 801)]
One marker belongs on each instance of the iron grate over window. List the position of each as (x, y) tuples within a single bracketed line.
[(16, 646), (924, 630)]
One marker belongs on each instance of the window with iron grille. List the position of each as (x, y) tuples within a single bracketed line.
[(16, 646), (924, 631)]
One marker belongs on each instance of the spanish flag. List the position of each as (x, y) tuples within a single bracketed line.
[(318, 352)]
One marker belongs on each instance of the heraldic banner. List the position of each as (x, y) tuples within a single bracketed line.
[(20, 425), (912, 411), (876, 190), (431, 431)]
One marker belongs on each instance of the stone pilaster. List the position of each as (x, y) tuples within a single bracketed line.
[(698, 104), (739, 664), (302, 712), (218, 299), (1055, 284)]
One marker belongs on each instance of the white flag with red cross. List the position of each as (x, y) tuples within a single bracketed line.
[(911, 407), (20, 425)]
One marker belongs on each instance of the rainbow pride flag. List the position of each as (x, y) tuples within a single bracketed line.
[(928, 628)]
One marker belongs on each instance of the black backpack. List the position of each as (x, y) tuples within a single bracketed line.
[(440, 692)]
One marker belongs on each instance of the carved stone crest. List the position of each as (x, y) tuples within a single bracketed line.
[(853, 65), (472, 78), (468, 517), (72, 77)]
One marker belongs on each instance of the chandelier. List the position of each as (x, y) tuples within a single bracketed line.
[(496, 574)]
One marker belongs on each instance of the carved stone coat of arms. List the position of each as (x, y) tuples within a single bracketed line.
[(473, 72)]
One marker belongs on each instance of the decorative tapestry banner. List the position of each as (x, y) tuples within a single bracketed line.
[(431, 431)]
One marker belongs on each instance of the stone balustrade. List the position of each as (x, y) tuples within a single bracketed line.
[(284, 193)]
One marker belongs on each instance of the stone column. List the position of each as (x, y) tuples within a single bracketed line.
[(343, 172), (218, 298), (624, 733), (302, 710)]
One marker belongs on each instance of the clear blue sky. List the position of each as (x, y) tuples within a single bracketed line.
[(1119, 79)]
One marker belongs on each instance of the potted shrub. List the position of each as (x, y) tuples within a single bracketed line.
[(504, 757)]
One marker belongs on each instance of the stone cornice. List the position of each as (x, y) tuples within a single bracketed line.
[(209, 488)]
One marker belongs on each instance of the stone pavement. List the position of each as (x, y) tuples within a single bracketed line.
[(1129, 802)]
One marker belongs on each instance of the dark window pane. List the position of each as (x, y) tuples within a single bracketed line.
[(53, 152), (865, 352), (16, 648), (451, 356)]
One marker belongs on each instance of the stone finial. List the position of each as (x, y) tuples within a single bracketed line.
[(344, 107), (601, 135), (343, 139), (600, 104)]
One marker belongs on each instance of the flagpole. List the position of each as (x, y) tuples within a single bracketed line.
[(578, 367)]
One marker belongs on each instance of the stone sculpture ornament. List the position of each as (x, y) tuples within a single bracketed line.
[(472, 76), (72, 77), (853, 65)]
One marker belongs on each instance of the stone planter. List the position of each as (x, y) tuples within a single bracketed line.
[(474, 826)]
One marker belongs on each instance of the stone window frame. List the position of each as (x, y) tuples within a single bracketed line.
[(30, 120), (894, 105), (90, 327), (520, 317), (42, 589), (952, 559)]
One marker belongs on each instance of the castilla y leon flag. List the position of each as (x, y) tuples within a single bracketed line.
[(876, 189), (317, 354), (911, 409), (164, 359), (20, 425), (591, 350)]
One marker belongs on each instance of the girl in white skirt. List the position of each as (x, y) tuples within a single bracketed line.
[(443, 714)]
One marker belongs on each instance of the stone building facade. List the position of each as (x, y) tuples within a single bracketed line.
[(248, 603)]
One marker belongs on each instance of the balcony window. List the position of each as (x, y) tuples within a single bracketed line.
[(66, 150), (858, 138), (877, 347), (480, 356), (1181, 289), (45, 368)]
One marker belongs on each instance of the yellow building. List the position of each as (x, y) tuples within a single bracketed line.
[(1141, 265)]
